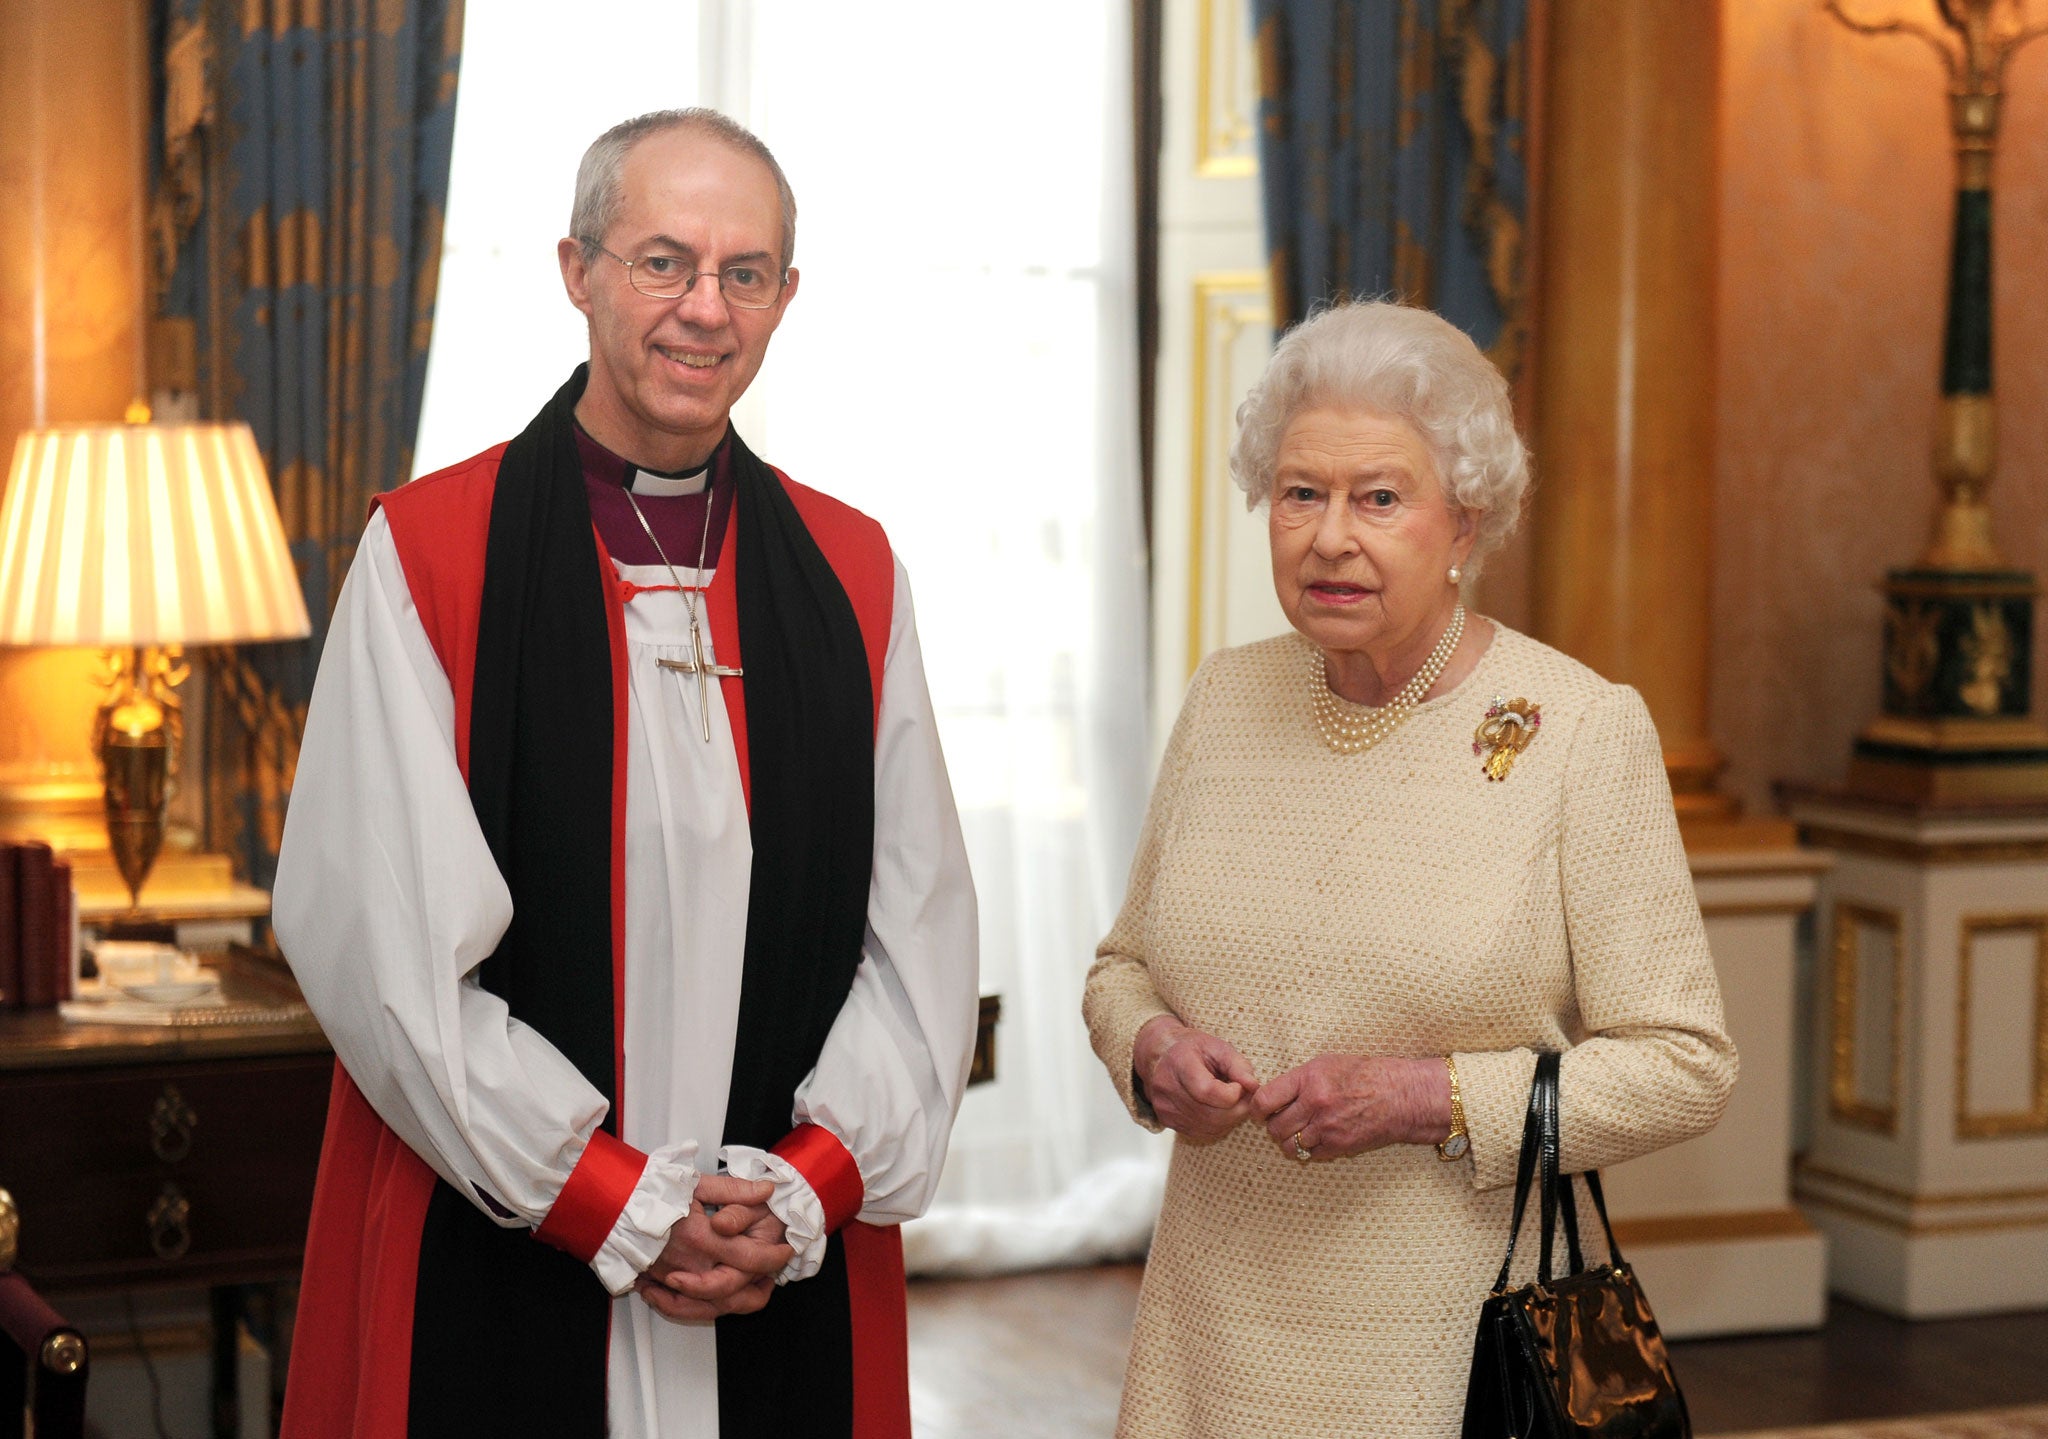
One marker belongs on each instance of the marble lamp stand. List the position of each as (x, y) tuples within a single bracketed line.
[(1928, 1168)]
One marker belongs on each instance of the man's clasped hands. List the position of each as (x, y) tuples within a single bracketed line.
[(722, 1257), (1330, 1107)]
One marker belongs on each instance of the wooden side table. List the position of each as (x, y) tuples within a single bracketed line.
[(174, 1156)]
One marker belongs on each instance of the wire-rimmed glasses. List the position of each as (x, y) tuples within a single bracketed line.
[(662, 276)]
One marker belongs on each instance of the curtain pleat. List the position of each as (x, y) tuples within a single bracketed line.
[(1392, 157), (300, 177)]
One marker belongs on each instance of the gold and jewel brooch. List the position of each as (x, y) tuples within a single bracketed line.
[(1504, 733)]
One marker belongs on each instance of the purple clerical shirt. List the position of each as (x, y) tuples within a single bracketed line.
[(677, 519)]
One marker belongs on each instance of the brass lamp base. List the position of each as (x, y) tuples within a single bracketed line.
[(137, 771), (137, 732)]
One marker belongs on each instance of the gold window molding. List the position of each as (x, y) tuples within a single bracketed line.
[(1225, 130), (2034, 1118), (1845, 1103), (1227, 303)]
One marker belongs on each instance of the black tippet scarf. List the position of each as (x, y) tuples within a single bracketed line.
[(509, 1335)]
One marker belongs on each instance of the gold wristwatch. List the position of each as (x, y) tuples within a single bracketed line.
[(1458, 1143)]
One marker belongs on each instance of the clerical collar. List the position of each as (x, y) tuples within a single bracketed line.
[(600, 463)]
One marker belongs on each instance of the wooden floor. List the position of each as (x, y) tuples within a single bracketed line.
[(1864, 1365), (1041, 1356), (1036, 1355)]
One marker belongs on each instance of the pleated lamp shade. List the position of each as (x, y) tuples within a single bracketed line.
[(123, 535)]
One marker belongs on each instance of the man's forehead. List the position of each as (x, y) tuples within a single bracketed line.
[(701, 166), (707, 199)]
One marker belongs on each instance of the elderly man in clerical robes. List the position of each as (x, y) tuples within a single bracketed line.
[(622, 869)]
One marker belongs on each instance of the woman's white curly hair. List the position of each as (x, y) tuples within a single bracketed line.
[(1405, 363)]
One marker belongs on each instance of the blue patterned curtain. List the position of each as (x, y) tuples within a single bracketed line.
[(1391, 137), (301, 172)]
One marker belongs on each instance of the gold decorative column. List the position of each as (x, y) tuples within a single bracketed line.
[(1624, 426), (73, 93), (1624, 422)]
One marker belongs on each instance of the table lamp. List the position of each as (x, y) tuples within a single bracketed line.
[(143, 539)]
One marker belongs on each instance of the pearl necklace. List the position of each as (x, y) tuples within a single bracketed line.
[(1348, 732)]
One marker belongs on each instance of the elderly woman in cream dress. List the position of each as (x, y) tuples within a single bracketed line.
[(1390, 857)]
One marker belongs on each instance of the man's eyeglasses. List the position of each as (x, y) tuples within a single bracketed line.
[(669, 277)]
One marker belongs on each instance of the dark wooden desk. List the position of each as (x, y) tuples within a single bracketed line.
[(175, 1156)]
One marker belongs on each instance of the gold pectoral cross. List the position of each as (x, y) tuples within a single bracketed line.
[(699, 664)]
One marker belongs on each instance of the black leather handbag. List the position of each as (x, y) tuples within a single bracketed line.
[(1578, 1355)]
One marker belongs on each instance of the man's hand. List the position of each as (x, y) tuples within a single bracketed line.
[(722, 1257), (1198, 1084), (1343, 1104)]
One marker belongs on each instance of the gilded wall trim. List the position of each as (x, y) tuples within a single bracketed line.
[(1872, 1202), (1226, 304), (1840, 1204), (1977, 1197), (1718, 1228), (2034, 1118), (1962, 851), (1751, 908), (1226, 131), (1844, 1103)]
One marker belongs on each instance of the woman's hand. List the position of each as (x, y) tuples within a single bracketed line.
[(1342, 1104), (1198, 1084)]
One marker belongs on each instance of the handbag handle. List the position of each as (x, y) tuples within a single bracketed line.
[(1600, 1204), (1525, 1169), (1540, 1162), (1568, 1208), (1543, 1092)]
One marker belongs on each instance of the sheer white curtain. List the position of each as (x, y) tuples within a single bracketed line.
[(960, 362), (526, 108)]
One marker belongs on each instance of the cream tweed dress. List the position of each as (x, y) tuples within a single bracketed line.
[(1299, 902)]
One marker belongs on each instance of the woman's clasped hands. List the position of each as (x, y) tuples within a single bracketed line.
[(1330, 1107)]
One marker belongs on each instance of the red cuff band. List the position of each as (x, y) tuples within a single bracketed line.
[(589, 1204), (816, 1154)]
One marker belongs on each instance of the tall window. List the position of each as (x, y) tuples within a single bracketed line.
[(959, 362)]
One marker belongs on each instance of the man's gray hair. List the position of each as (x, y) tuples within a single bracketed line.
[(1404, 363), (599, 195)]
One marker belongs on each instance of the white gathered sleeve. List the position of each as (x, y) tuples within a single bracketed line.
[(386, 901), (889, 1079)]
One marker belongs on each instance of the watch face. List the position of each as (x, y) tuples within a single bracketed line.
[(1454, 1147)]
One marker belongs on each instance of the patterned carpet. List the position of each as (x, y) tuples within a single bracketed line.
[(2029, 1422)]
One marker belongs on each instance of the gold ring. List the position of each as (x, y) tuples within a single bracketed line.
[(1299, 1153)]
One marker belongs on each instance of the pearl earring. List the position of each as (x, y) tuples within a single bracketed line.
[(1456, 574)]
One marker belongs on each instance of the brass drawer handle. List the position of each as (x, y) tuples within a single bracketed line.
[(63, 1353), (170, 1126), (170, 1224)]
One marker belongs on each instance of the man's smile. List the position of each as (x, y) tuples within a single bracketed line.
[(696, 360)]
